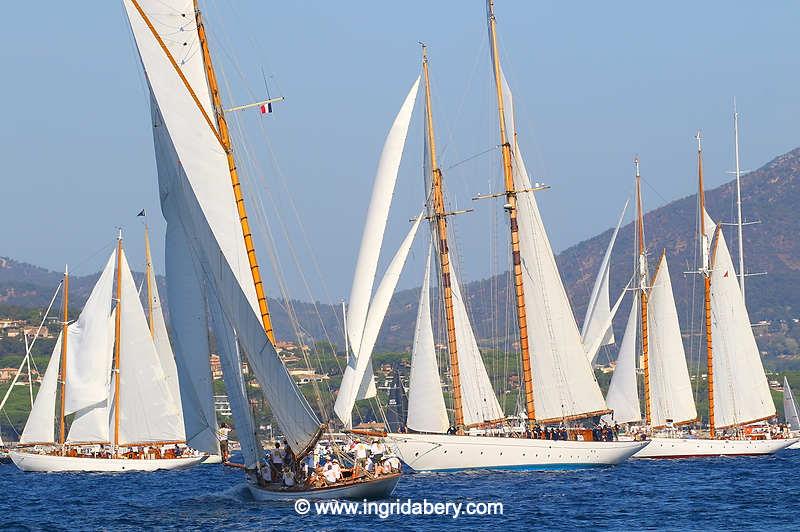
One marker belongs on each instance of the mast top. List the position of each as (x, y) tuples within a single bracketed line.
[(699, 138), (119, 234), (636, 165), (490, 8), (66, 269)]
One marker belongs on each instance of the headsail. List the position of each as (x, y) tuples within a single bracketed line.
[(671, 398), (563, 381), (426, 408), (597, 328), (40, 427), (790, 407), (623, 392)]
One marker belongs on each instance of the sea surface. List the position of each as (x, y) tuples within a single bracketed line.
[(721, 493)]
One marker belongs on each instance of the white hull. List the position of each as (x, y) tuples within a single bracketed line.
[(374, 489), (212, 459), (445, 452), (700, 448), (46, 463), (794, 446)]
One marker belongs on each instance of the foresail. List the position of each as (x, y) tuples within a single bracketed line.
[(88, 353), (623, 392), (671, 398), (563, 381), (426, 408), (789, 407), (147, 410), (346, 398), (741, 391), (597, 325), (40, 426)]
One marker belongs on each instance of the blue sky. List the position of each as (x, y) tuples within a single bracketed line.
[(595, 83)]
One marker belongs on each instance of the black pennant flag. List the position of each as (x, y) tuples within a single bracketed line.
[(141, 213)]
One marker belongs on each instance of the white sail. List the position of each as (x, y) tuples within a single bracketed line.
[(563, 381), (146, 408), (231, 362), (789, 407), (91, 424), (196, 194), (377, 311), (597, 327), (741, 391), (187, 308), (671, 398), (41, 421), (623, 392), (478, 399), (88, 356), (426, 408), (372, 240), (164, 349)]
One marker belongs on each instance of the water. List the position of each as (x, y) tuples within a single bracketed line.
[(727, 493)]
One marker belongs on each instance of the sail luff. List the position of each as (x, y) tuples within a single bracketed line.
[(117, 344), (63, 365)]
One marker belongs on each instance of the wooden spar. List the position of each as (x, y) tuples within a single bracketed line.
[(148, 273), (642, 267), (439, 218), (221, 133), (224, 135), (117, 338), (63, 361), (706, 272), (511, 207)]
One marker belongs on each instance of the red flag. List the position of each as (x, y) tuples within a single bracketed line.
[(266, 108)]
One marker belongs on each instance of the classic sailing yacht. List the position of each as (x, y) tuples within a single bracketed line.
[(790, 412), (738, 392), (481, 428), (213, 275), (107, 372)]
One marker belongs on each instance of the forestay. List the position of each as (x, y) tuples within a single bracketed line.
[(623, 392), (671, 398), (196, 194), (597, 327), (563, 381), (741, 391), (369, 253), (426, 408)]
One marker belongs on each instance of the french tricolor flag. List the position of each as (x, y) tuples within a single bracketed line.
[(266, 108)]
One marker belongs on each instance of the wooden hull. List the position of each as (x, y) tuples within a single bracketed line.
[(707, 448), (46, 463), (445, 452), (371, 489)]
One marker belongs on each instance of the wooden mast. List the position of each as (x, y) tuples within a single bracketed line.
[(642, 268), (706, 273), (224, 136), (439, 218), (148, 273), (511, 207), (117, 337), (63, 361)]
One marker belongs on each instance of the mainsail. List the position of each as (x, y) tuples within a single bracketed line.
[(197, 196), (359, 311), (563, 381), (790, 407), (597, 327), (426, 408), (741, 391), (623, 392), (671, 399)]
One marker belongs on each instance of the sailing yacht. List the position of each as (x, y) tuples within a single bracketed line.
[(212, 270), (790, 412), (107, 372), (481, 436), (738, 393)]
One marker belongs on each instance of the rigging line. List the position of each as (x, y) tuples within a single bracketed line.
[(462, 161)]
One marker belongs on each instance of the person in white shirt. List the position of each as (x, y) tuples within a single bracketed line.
[(330, 474), (377, 449), (361, 452), (288, 478), (337, 469), (222, 436)]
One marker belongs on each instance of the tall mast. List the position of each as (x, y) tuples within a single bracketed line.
[(148, 273), (117, 337), (738, 197), (705, 271), (439, 219), (642, 270), (511, 207), (224, 136), (63, 362)]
